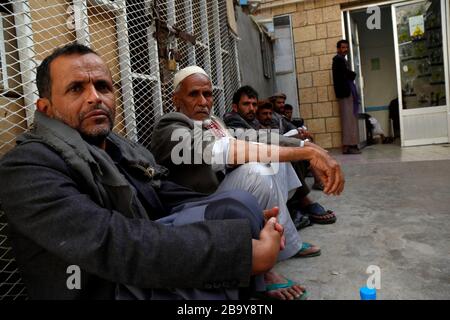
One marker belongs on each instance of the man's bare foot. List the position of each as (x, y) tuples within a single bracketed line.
[(290, 293), (308, 250)]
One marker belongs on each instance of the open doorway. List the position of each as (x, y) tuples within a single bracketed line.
[(378, 79), (403, 69)]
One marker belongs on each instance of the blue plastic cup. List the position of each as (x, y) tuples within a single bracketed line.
[(368, 293)]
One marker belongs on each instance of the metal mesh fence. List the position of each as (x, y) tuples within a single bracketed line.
[(136, 38), (11, 286)]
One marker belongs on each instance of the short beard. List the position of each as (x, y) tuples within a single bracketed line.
[(96, 139), (250, 117)]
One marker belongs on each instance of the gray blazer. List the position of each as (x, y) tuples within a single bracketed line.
[(197, 176), (173, 128), (55, 222)]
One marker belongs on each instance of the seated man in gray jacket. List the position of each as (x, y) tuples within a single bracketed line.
[(246, 111), (195, 146), (81, 203)]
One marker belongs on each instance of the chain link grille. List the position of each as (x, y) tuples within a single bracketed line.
[(134, 38), (11, 286), (135, 47)]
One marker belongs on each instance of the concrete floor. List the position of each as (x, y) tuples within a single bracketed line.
[(395, 214)]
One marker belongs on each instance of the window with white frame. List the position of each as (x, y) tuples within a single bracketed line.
[(6, 48), (123, 33), (215, 48), (144, 67)]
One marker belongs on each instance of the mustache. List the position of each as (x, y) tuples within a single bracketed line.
[(203, 109), (98, 107)]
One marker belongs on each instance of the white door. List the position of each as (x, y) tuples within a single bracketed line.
[(355, 62), (420, 40)]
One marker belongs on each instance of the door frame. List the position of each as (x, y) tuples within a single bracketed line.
[(352, 61), (357, 52), (403, 113), (445, 12)]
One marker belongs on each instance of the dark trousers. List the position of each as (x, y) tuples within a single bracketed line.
[(234, 204), (300, 167)]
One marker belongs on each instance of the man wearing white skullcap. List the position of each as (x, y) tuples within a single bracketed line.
[(207, 154), (186, 72), (196, 103)]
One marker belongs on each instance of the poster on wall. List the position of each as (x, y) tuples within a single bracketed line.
[(416, 26)]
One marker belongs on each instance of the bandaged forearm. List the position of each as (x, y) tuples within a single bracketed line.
[(219, 154), (242, 152), (291, 133)]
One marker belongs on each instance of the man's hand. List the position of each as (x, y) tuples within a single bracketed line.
[(303, 134), (328, 170), (315, 146), (269, 213), (265, 250)]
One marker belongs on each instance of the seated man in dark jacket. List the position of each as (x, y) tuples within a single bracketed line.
[(79, 197), (279, 121), (299, 123), (288, 110), (245, 101)]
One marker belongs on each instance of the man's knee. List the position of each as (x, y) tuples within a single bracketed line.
[(256, 168), (237, 205), (259, 178)]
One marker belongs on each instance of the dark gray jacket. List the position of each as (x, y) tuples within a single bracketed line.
[(67, 204), (342, 77), (235, 121), (176, 130)]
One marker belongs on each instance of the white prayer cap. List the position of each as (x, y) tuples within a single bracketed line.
[(186, 72)]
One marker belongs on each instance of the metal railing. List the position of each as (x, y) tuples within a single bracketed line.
[(11, 286), (134, 37)]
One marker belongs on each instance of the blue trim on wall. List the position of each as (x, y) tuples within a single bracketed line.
[(376, 108)]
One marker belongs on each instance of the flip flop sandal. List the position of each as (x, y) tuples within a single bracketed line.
[(306, 246), (276, 286), (301, 221), (316, 212)]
